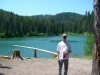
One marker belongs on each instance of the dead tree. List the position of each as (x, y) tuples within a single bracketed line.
[(16, 55), (96, 49)]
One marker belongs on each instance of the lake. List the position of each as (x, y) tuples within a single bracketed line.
[(47, 43)]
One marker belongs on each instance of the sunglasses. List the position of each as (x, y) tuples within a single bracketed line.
[(64, 37)]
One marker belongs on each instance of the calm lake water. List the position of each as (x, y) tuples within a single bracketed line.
[(48, 43)]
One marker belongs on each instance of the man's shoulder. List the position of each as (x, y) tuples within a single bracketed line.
[(60, 42), (67, 43)]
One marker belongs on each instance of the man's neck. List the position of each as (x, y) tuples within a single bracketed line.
[(64, 41)]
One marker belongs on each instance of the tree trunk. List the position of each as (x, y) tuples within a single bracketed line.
[(16, 55), (96, 49)]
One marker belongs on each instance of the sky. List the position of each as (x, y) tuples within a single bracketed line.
[(43, 7)]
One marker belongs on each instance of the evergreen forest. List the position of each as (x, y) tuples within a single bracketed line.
[(14, 25)]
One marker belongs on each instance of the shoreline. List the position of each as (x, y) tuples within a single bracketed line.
[(68, 33), (76, 57)]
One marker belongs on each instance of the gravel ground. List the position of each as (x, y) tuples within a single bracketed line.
[(43, 67)]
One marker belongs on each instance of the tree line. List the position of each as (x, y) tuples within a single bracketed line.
[(14, 25)]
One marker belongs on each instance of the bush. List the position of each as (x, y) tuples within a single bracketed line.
[(16, 34), (88, 44), (32, 34), (9, 34), (41, 34), (28, 34), (2, 35)]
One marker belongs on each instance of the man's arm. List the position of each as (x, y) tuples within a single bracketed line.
[(67, 52), (58, 56), (70, 50)]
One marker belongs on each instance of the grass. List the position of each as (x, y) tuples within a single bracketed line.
[(82, 57), (76, 56)]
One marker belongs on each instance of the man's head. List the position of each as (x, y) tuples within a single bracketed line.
[(64, 36)]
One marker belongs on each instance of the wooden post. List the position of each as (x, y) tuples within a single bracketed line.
[(35, 56), (96, 49)]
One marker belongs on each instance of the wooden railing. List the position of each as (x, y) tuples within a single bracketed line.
[(33, 48)]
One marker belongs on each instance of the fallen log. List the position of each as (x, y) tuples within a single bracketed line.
[(5, 57)]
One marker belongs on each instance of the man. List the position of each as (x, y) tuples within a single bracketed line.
[(63, 50)]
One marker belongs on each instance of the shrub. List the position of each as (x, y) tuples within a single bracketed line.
[(2, 35), (88, 44), (41, 34)]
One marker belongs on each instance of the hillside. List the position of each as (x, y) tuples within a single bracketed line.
[(14, 25)]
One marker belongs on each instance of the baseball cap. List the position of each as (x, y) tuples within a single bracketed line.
[(64, 35)]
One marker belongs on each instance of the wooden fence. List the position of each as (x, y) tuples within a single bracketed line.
[(35, 49)]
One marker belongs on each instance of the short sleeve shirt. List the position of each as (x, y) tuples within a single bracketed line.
[(63, 47)]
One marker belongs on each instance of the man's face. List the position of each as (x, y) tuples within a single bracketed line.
[(64, 37)]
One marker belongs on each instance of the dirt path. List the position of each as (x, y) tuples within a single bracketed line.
[(43, 67)]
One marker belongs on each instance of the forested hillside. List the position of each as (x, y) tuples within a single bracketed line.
[(13, 25)]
